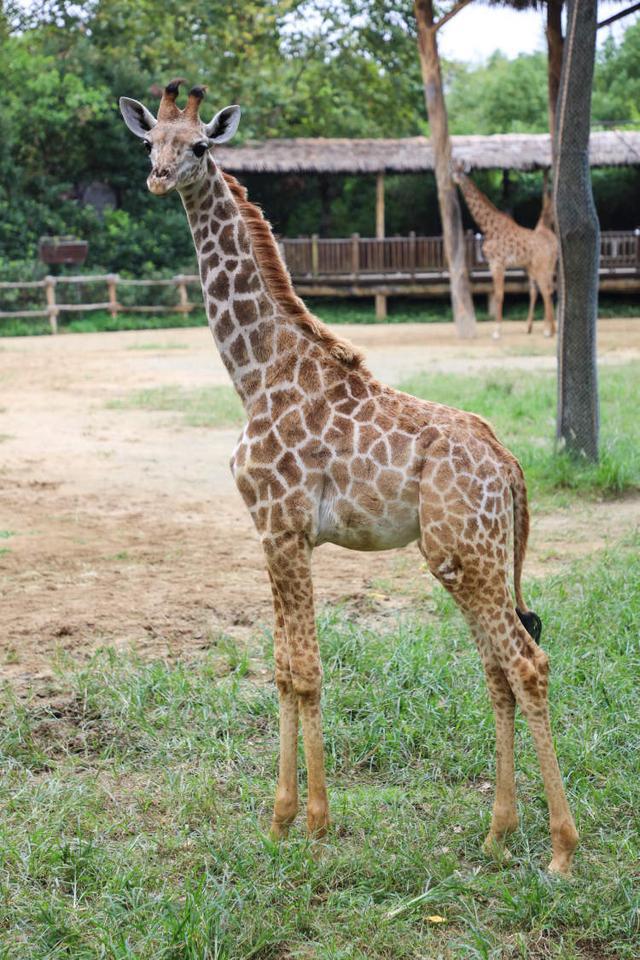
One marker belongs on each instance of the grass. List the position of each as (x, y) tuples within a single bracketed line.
[(401, 310), (133, 813), (158, 346), (522, 409), (201, 407)]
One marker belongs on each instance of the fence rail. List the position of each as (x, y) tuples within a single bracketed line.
[(54, 307), (358, 256), (311, 259)]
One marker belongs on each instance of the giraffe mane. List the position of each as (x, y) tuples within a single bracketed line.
[(279, 283)]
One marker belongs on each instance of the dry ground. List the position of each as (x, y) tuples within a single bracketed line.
[(127, 529)]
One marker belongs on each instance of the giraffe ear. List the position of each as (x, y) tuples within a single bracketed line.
[(224, 124), (136, 116)]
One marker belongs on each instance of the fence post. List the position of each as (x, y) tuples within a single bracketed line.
[(112, 284), (184, 306), (314, 254), (355, 254), (412, 248), (50, 290)]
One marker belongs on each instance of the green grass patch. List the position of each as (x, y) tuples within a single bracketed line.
[(409, 310), (103, 322), (133, 815), (158, 346), (522, 408), (400, 310), (201, 407)]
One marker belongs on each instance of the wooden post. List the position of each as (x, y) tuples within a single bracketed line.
[(355, 254), (381, 300), (184, 306), (380, 225), (314, 254), (50, 289), (412, 248), (112, 284)]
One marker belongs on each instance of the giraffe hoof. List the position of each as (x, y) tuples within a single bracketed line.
[(495, 335), (547, 333), (278, 831), (494, 848), (559, 868)]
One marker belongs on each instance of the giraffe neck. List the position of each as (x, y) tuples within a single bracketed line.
[(480, 207), (241, 311)]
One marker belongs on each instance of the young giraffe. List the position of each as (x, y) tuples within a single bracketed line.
[(329, 454), (507, 244)]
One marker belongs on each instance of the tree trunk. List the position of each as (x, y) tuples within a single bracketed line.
[(555, 46), (461, 300), (578, 233)]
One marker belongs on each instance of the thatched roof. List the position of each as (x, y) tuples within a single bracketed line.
[(512, 151)]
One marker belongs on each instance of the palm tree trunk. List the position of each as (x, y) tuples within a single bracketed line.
[(578, 232), (461, 300)]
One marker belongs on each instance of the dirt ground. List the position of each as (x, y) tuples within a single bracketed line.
[(126, 528)]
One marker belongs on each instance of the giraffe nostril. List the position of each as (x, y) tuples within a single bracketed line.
[(161, 173)]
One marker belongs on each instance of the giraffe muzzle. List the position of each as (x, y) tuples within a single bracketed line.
[(160, 181)]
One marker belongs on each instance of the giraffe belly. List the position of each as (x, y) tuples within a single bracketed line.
[(347, 524)]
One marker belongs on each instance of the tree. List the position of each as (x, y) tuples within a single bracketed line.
[(578, 233), (461, 299)]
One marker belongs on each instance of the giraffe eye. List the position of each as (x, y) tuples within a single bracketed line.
[(147, 145), (200, 149)]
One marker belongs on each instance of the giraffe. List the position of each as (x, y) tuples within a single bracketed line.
[(507, 244), (329, 454)]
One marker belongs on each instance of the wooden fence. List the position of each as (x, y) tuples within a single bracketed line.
[(311, 259), (54, 306), (359, 256)]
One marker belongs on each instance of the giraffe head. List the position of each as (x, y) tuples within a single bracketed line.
[(177, 141), (458, 170)]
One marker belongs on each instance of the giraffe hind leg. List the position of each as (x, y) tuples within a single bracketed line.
[(467, 552), (533, 296)]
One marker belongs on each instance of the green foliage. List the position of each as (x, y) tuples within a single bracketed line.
[(199, 407), (134, 810), (298, 67), (501, 96), (616, 95)]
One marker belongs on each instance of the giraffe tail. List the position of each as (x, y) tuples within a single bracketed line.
[(530, 620)]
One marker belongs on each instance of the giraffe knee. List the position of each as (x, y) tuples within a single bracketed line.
[(531, 670), (284, 682)]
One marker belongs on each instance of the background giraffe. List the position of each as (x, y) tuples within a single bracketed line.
[(507, 244), (329, 454)]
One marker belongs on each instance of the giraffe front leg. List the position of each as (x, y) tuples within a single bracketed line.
[(286, 801), (549, 315), (497, 273), (288, 558)]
